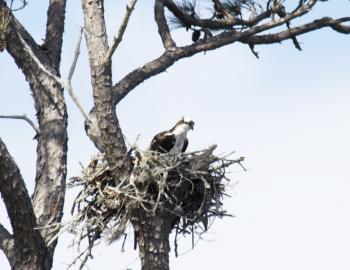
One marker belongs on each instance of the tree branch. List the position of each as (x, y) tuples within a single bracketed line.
[(188, 20), (168, 58), (54, 31), (6, 242), (119, 35), (64, 83), (134, 78), (227, 23), (274, 23), (22, 117), (76, 55), (163, 28), (335, 24), (13, 31), (18, 204)]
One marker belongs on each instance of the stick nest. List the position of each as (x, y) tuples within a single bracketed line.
[(188, 188)]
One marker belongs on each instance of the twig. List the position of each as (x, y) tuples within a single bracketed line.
[(76, 55), (256, 54), (123, 245), (119, 35), (64, 83), (22, 117)]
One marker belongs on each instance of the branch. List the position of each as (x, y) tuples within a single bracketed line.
[(130, 81), (274, 23), (163, 28), (54, 31), (18, 204), (22, 117), (119, 35), (227, 23), (137, 76), (14, 48), (6, 242), (188, 20), (76, 55), (335, 24), (64, 83)]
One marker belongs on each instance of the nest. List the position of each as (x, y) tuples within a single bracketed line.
[(188, 188)]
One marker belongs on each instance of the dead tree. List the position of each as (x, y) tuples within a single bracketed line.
[(34, 219)]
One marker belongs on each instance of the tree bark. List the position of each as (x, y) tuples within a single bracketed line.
[(152, 232), (101, 78), (26, 248), (48, 197), (30, 249)]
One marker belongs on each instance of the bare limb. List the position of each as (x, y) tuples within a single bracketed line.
[(76, 55), (22, 117), (163, 28), (6, 242), (335, 24), (18, 204), (12, 39), (54, 31), (39, 63), (227, 23), (168, 58), (274, 23), (119, 35), (64, 83)]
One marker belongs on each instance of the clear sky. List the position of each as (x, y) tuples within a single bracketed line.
[(287, 113)]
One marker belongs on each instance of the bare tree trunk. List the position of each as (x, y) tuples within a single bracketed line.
[(152, 232), (28, 247)]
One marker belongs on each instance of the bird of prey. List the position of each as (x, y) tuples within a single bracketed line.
[(173, 141)]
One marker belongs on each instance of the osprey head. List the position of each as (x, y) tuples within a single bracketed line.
[(187, 121)]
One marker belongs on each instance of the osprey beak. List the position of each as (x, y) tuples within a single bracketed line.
[(191, 124)]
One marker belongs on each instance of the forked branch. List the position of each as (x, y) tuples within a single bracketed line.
[(64, 83), (119, 35), (163, 27), (227, 36)]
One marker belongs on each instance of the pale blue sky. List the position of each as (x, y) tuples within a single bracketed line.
[(287, 113)]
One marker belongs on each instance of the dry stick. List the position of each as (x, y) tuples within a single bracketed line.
[(76, 55), (70, 75), (22, 117), (64, 83), (119, 35)]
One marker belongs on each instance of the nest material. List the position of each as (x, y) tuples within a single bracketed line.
[(189, 187)]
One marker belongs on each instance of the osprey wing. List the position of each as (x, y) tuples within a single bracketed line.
[(184, 147), (163, 142)]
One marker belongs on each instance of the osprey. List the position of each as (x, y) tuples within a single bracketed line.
[(173, 141)]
